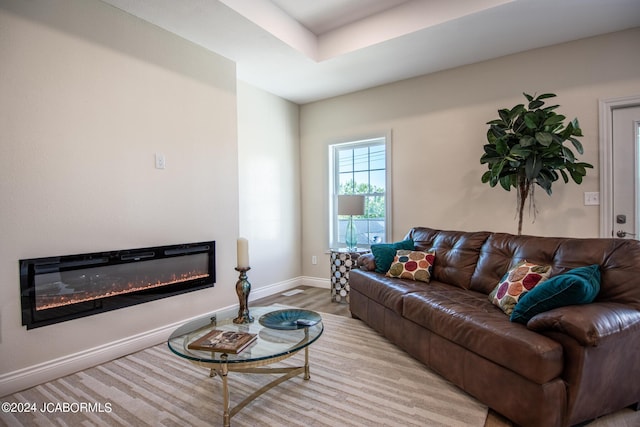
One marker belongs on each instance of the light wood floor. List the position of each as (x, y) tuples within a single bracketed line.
[(315, 299), (319, 299)]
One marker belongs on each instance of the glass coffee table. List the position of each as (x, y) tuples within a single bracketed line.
[(281, 333)]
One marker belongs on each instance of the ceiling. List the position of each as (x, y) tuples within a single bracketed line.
[(307, 50)]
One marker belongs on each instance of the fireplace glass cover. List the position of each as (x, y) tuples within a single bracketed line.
[(61, 288)]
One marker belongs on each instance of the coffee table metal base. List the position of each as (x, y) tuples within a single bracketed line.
[(222, 370)]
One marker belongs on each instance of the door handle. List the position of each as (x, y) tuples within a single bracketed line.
[(621, 233)]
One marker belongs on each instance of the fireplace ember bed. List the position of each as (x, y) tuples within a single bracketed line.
[(61, 288)]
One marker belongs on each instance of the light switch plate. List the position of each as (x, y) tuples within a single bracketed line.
[(160, 161), (591, 198)]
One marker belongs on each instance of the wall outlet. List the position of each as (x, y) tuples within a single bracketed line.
[(314, 260), (591, 198), (160, 161)]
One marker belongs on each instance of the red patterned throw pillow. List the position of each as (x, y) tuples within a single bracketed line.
[(413, 265), (517, 282)]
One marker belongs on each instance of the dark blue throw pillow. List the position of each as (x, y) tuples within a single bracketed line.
[(383, 253), (578, 286)]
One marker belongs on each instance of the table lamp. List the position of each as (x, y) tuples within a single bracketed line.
[(351, 205)]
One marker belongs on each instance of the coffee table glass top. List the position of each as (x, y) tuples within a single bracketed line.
[(271, 343)]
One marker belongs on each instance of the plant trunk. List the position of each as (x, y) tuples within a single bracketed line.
[(524, 186)]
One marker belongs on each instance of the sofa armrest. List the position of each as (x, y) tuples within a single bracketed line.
[(588, 324), (367, 262)]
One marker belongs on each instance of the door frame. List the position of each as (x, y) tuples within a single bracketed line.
[(606, 107)]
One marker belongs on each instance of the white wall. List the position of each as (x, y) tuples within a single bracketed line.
[(438, 125), (89, 94), (269, 170)]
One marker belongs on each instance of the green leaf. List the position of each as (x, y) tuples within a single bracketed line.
[(530, 120), (514, 164), (497, 131), (497, 169), (486, 177), (545, 182), (505, 116), (576, 125), (532, 167), (517, 110), (568, 154), (577, 145), (565, 178), (484, 159), (505, 182), (518, 126), (529, 97), (577, 177), (546, 95), (502, 147), (518, 150), (544, 138), (527, 141), (567, 132), (491, 138), (557, 138), (554, 119), (489, 148), (549, 174), (535, 104)]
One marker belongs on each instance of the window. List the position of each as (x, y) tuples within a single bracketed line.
[(361, 167)]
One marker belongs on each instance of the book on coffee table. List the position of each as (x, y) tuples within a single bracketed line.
[(223, 341)]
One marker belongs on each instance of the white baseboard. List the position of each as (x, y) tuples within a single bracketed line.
[(276, 288), (316, 282), (31, 376), (266, 291), (37, 374)]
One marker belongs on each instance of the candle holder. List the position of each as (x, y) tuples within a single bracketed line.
[(243, 287)]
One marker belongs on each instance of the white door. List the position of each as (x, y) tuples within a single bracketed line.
[(625, 140)]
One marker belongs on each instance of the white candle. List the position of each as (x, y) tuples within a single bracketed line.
[(243, 253)]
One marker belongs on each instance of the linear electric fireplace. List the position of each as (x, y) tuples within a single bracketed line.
[(60, 288)]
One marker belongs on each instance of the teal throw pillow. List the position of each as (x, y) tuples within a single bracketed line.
[(383, 253), (578, 286)]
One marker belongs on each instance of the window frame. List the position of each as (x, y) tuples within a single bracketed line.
[(334, 183)]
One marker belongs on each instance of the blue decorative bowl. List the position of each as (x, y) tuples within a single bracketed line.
[(291, 318)]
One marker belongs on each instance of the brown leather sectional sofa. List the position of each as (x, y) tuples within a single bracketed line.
[(564, 367)]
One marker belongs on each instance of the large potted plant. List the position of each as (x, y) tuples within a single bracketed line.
[(526, 146)]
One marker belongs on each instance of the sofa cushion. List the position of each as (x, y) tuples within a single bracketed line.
[(468, 319), (412, 265), (383, 253), (385, 291), (457, 251), (618, 261), (501, 251), (522, 278), (367, 262), (577, 286)]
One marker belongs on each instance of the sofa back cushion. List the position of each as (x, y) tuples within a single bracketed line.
[(503, 251), (619, 262), (456, 253)]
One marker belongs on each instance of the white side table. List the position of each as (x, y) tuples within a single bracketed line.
[(342, 261)]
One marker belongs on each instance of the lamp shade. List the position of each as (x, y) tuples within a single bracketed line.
[(351, 205)]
